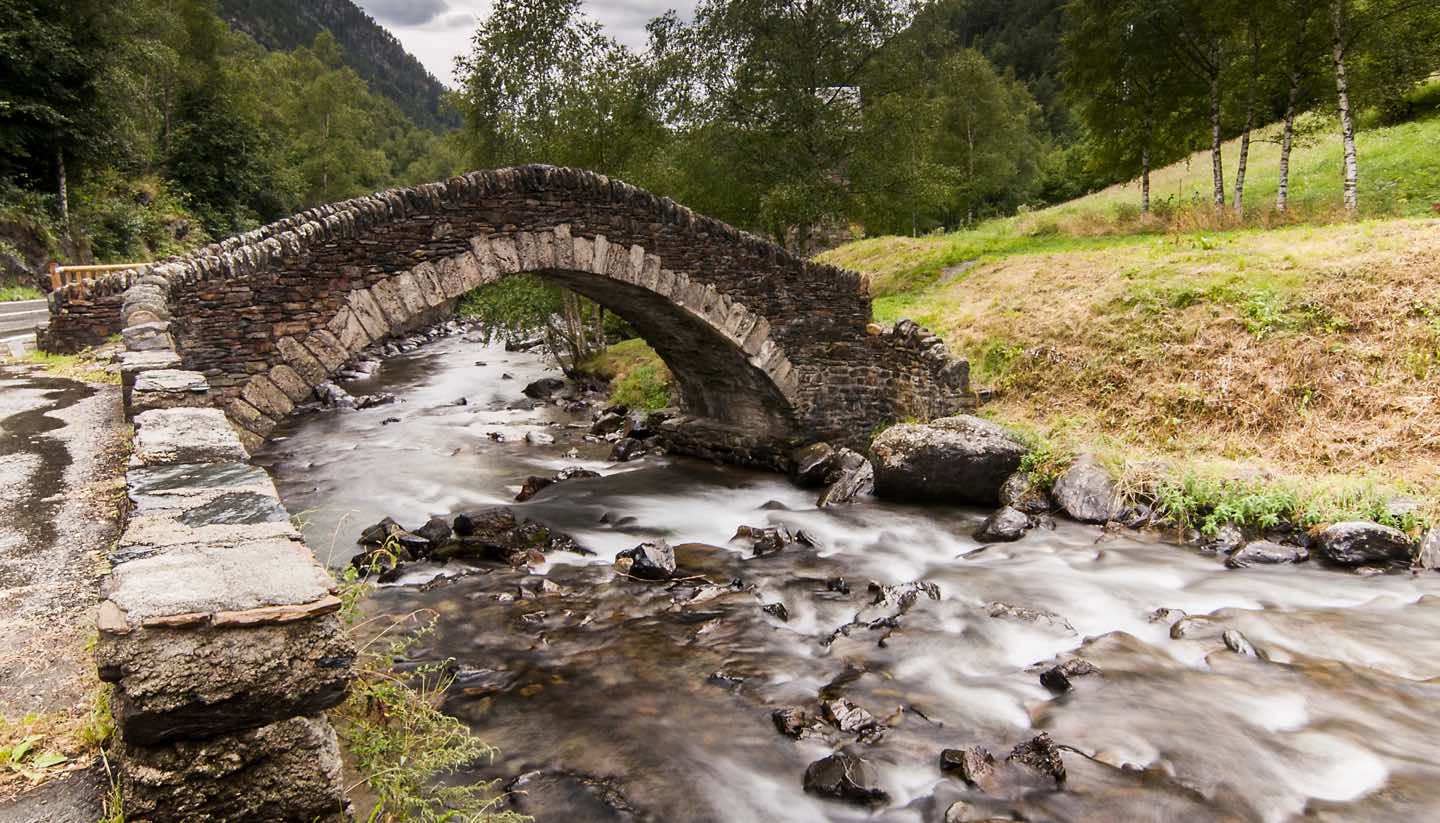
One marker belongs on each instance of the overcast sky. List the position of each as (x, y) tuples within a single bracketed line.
[(437, 31)]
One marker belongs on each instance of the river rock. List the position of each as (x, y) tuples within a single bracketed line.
[(1007, 524), (1237, 642), (853, 483), (844, 776), (1057, 679), (647, 561), (533, 485), (846, 716), (1226, 539), (627, 449), (332, 396), (1428, 558), (496, 535), (570, 796), (795, 723), (1019, 493), (1085, 492), (959, 459), (1041, 754), (637, 426), (811, 465), (543, 388), (539, 438), (1360, 543), (975, 765), (608, 423), (764, 540), (1264, 553), (435, 530), (371, 401)]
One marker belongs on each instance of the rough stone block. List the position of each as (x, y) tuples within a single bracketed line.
[(291, 383), (287, 772), (348, 329), (301, 360), (564, 247), (507, 257), (600, 256), (326, 349), (247, 418), (368, 312), (390, 304), (409, 293), (264, 395), (168, 389), (170, 436)]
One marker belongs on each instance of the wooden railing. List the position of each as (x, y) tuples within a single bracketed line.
[(77, 276)]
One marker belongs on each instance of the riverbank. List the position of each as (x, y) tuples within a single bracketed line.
[(888, 630), (63, 445)]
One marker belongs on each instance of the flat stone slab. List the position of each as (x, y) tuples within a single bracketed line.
[(156, 488), (170, 436), (133, 362), (171, 380), (197, 583)]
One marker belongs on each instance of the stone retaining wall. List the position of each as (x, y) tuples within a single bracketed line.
[(219, 629)]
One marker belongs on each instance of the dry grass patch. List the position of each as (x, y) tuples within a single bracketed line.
[(1310, 350)]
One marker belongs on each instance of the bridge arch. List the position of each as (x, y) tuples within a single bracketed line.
[(725, 363), (769, 350)]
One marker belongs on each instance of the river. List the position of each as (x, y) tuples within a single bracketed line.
[(625, 700)]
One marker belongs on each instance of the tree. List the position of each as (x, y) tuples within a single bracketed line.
[(783, 89), (1125, 86)]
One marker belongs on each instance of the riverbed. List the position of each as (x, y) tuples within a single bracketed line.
[(618, 699)]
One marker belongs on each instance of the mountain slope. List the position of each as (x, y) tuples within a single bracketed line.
[(370, 50)]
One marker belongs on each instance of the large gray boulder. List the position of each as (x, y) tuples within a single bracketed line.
[(1085, 492), (1006, 525), (1362, 543), (959, 459), (1266, 553)]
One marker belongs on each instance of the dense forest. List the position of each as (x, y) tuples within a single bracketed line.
[(137, 128), (373, 52)]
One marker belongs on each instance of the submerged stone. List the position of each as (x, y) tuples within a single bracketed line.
[(846, 777)]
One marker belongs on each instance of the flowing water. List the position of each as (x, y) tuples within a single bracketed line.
[(624, 700)]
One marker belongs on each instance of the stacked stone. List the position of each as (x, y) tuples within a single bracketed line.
[(768, 350), (218, 628)]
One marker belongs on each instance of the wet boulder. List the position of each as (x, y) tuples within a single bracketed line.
[(974, 764), (561, 795), (847, 717), (544, 388), (1085, 492), (1020, 493), (1266, 553), (534, 484), (1238, 643), (388, 533), (627, 449), (435, 530), (637, 426), (371, 401), (1040, 754), (608, 423), (961, 459), (845, 777), (1362, 543), (332, 396), (497, 535), (1428, 558), (1058, 678), (647, 561), (764, 540), (795, 723), (1005, 525), (539, 438), (821, 464), (1226, 539), (856, 479)]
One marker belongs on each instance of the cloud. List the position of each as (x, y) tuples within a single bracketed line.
[(406, 12)]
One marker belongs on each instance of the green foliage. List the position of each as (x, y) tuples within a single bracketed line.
[(513, 309), (402, 743), (1044, 462), (638, 377), (9, 294), (1206, 503)]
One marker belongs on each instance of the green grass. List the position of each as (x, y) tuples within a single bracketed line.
[(638, 377), (11, 294), (1399, 177), (83, 367)]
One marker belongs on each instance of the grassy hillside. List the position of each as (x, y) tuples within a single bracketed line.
[(1305, 350)]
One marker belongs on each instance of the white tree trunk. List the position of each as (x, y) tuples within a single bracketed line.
[(1145, 181), (1347, 120), (1282, 195), (1217, 162), (62, 190)]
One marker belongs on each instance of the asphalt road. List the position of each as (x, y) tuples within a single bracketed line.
[(21, 316)]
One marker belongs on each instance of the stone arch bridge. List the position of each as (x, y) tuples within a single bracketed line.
[(219, 628), (768, 350)]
